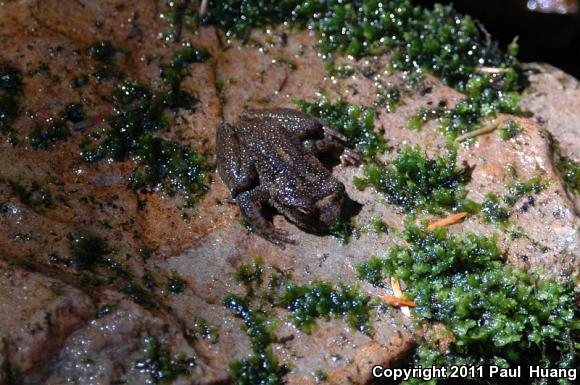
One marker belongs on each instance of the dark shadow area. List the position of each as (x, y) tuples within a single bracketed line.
[(552, 36), (350, 208)]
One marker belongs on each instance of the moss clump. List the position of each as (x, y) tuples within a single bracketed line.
[(46, 135), (343, 230), (378, 226), (262, 367), (159, 163), (422, 116), (439, 41), (492, 314), (162, 367), (88, 251), (179, 14), (570, 171), (203, 329), (350, 120), (417, 182), (306, 303), (173, 73), (34, 196), (509, 130), (492, 211), (102, 51), (389, 97), (250, 272), (518, 189), (10, 94), (105, 55), (171, 168), (176, 284), (237, 17)]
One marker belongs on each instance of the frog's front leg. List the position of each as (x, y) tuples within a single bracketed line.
[(250, 203), (332, 144), (235, 168)]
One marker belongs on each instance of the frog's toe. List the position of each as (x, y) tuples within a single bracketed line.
[(351, 157), (279, 237), (329, 132)]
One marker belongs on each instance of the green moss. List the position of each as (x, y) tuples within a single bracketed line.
[(467, 114), (320, 376), (343, 230), (350, 120), (250, 272), (174, 72), (306, 303), (92, 279), (73, 112), (518, 189), (509, 130), (340, 71), (378, 226), (373, 271), (424, 115), (138, 294), (34, 196), (237, 17), (161, 366), (106, 310), (176, 283), (439, 41), (494, 314), (171, 168), (11, 89), (104, 53), (290, 64), (44, 136), (569, 171), (159, 164), (492, 211), (88, 251), (417, 182), (203, 329), (389, 98), (179, 14), (262, 367)]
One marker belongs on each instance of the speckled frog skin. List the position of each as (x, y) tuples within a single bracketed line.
[(269, 157)]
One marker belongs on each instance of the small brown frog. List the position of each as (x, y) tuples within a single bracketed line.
[(270, 157)]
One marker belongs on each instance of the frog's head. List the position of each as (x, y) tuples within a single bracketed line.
[(329, 208), (312, 210)]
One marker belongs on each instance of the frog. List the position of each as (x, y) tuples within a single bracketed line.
[(270, 157)]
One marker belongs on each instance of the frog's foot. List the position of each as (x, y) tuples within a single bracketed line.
[(335, 135), (351, 157), (277, 236), (250, 203)]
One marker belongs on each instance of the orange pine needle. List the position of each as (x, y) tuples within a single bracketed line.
[(397, 301), (452, 219)]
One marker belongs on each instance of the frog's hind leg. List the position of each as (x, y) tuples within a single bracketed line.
[(234, 167), (250, 203)]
